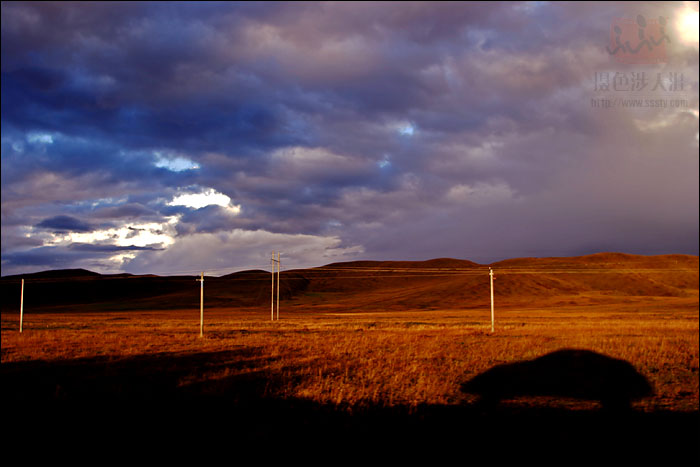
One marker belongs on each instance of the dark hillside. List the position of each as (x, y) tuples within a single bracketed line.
[(369, 285)]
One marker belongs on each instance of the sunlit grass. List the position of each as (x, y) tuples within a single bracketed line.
[(384, 359)]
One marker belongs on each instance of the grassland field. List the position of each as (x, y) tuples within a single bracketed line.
[(394, 358), (325, 379)]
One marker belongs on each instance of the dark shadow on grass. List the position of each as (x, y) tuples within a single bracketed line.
[(148, 378), (157, 408), (571, 373)]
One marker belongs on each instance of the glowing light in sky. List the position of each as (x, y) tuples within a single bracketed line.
[(687, 25)]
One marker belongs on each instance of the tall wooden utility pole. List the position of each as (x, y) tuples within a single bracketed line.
[(491, 280), (201, 306), (21, 306), (272, 301)]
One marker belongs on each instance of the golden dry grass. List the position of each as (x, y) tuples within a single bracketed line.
[(385, 359)]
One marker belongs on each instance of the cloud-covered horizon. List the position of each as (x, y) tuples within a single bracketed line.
[(177, 137)]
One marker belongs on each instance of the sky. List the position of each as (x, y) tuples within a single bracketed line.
[(173, 138)]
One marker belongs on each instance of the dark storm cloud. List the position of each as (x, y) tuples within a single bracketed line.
[(150, 74), (65, 223), (401, 130), (48, 257), (61, 257), (88, 247)]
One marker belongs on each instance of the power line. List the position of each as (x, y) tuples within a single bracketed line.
[(329, 273)]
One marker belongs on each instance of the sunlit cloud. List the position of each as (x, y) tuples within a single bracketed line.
[(225, 252), (205, 198), (136, 234)]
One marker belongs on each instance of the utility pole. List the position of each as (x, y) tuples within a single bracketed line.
[(491, 280), (21, 306), (272, 302), (201, 306)]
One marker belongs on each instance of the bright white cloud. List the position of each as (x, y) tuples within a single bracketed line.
[(138, 234), (205, 198)]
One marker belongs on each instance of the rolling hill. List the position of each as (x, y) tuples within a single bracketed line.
[(371, 285)]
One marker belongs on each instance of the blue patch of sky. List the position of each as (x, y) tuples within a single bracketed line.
[(174, 164), (407, 130), (384, 162)]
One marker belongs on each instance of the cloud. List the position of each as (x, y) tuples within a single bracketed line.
[(65, 223), (204, 198), (481, 194), (373, 130), (224, 252), (98, 258)]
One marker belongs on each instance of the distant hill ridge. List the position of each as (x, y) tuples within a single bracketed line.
[(56, 274), (601, 259), (431, 263), (441, 283), (596, 259)]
